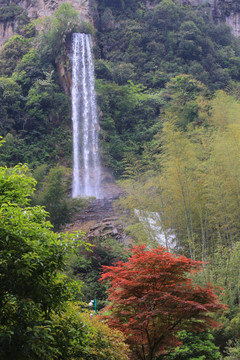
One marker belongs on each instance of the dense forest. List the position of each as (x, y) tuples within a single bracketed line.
[(168, 92)]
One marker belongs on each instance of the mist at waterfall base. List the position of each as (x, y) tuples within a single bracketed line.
[(86, 159)]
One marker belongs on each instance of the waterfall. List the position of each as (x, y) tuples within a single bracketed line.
[(86, 162)]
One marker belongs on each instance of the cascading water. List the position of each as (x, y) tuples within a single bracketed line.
[(86, 162)]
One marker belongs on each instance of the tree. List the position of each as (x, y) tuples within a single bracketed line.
[(86, 266), (153, 297), (196, 346), (58, 29), (10, 104), (53, 195), (233, 350), (32, 258), (12, 52), (40, 313), (104, 343)]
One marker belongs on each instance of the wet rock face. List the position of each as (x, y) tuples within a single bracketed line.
[(97, 210), (99, 220), (106, 221), (107, 228)]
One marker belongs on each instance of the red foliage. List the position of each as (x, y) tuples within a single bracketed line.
[(152, 297)]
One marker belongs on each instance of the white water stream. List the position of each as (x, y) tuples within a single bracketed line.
[(152, 224), (86, 161)]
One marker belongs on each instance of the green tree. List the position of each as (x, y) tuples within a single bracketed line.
[(192, 177), (9, 12), (32, 259), (10, 104), (58, 29), (232, 351), (12, 52), (39, 305), (28, 70), (12, 151), (86, 266), (195, 346), (222, 182), (52, 194)]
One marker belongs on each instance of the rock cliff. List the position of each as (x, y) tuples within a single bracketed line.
[(233, 20), (222, 11), (13, 13)]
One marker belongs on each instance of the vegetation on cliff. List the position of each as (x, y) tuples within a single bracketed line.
[(150, 45), (35, 112), (228, 7), (168, 96), (138, 49)]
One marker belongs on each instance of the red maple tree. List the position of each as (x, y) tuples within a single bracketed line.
[(152, 297)]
